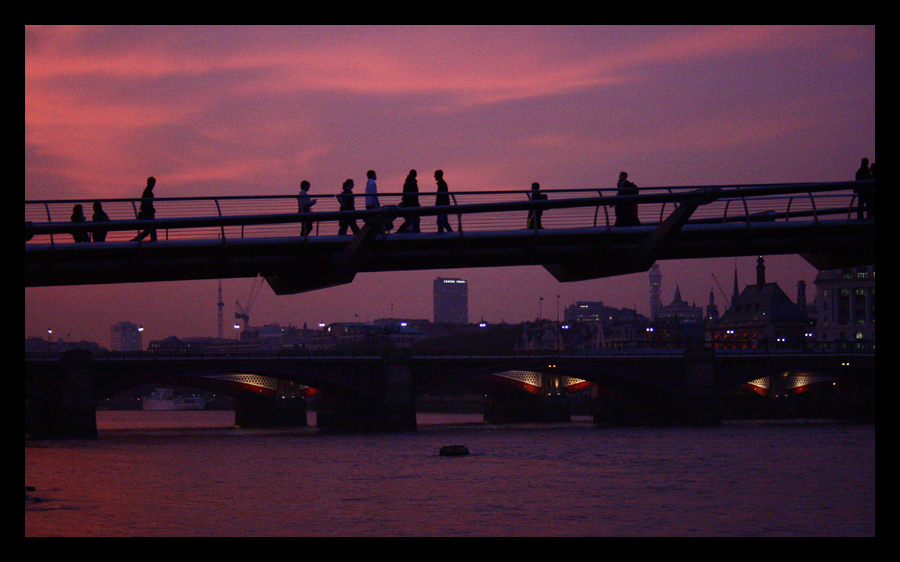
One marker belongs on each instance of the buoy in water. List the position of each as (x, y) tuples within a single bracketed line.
[(454, 450)]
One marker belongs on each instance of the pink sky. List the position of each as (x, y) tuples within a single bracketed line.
[(253, 110)]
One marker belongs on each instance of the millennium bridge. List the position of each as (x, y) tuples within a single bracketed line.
[(577, 238)]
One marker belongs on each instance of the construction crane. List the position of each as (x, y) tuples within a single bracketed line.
[(243, 312), (721, 290)]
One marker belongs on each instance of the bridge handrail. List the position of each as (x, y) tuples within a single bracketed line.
[(188, 213), (861, 348)]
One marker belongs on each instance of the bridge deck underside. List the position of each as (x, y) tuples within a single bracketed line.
[(296, 264)]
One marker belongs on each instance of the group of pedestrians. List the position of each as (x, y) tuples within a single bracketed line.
[(96, 234), (409, 199), (626, 214), (99, 231), (625, 211)]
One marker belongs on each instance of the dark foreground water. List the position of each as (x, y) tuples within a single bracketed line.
[(192, 474)]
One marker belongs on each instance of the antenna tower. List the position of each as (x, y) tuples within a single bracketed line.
[(221, 305)]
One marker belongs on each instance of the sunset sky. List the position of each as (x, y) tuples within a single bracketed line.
[(255, 110)]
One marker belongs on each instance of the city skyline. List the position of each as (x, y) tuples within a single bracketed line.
[(255, 110), (547, 307)]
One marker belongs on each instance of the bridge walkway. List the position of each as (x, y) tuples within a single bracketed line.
[(245, 236)]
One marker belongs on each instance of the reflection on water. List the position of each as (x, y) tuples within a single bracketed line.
[(194, 474)]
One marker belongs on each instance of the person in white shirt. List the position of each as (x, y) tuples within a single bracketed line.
[(372, 196), (304, 205)]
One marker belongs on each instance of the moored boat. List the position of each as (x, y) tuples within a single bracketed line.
[(164, 399)]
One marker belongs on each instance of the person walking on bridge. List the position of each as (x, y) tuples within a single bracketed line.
[(626, 213), (346, 200), (304, 206), (410, 199), (442, 199), (372, 200), (99, 234), (865, 194), (534, 215), (146, 211), (78, 217)]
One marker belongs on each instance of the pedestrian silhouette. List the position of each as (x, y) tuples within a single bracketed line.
[(534, 215), (99, 234), (441, 200), (304, 206), (346, 201), (866, 193), (78, 217), (626, 213), (373, 203), (146, 211), (410, 199)]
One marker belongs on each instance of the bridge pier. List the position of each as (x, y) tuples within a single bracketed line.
[(394, 409), (700, 404), (68, 409)]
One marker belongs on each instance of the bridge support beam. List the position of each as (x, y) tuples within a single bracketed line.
[(697, 404), (285, 411), (394, 409), (611, 407), (71, 411), (512, 405)]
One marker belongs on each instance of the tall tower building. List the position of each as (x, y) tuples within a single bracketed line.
[(655, 291), (451, 301), (712, 311), (125, 336)]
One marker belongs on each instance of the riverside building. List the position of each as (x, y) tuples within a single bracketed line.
[(451, 301)]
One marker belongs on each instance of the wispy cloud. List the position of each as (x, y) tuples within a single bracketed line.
[(253, 105)]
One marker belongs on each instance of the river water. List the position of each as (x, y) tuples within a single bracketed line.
[(194, 474)]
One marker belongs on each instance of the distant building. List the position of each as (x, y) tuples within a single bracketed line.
[(451, 301), (609, 326), (125, 336), (599, 313), (845, 304), (655, 291), (762, 314), (679, 311), (712, 310), (41, 345)]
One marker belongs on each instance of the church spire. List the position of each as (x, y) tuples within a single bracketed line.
[(735, 292)]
